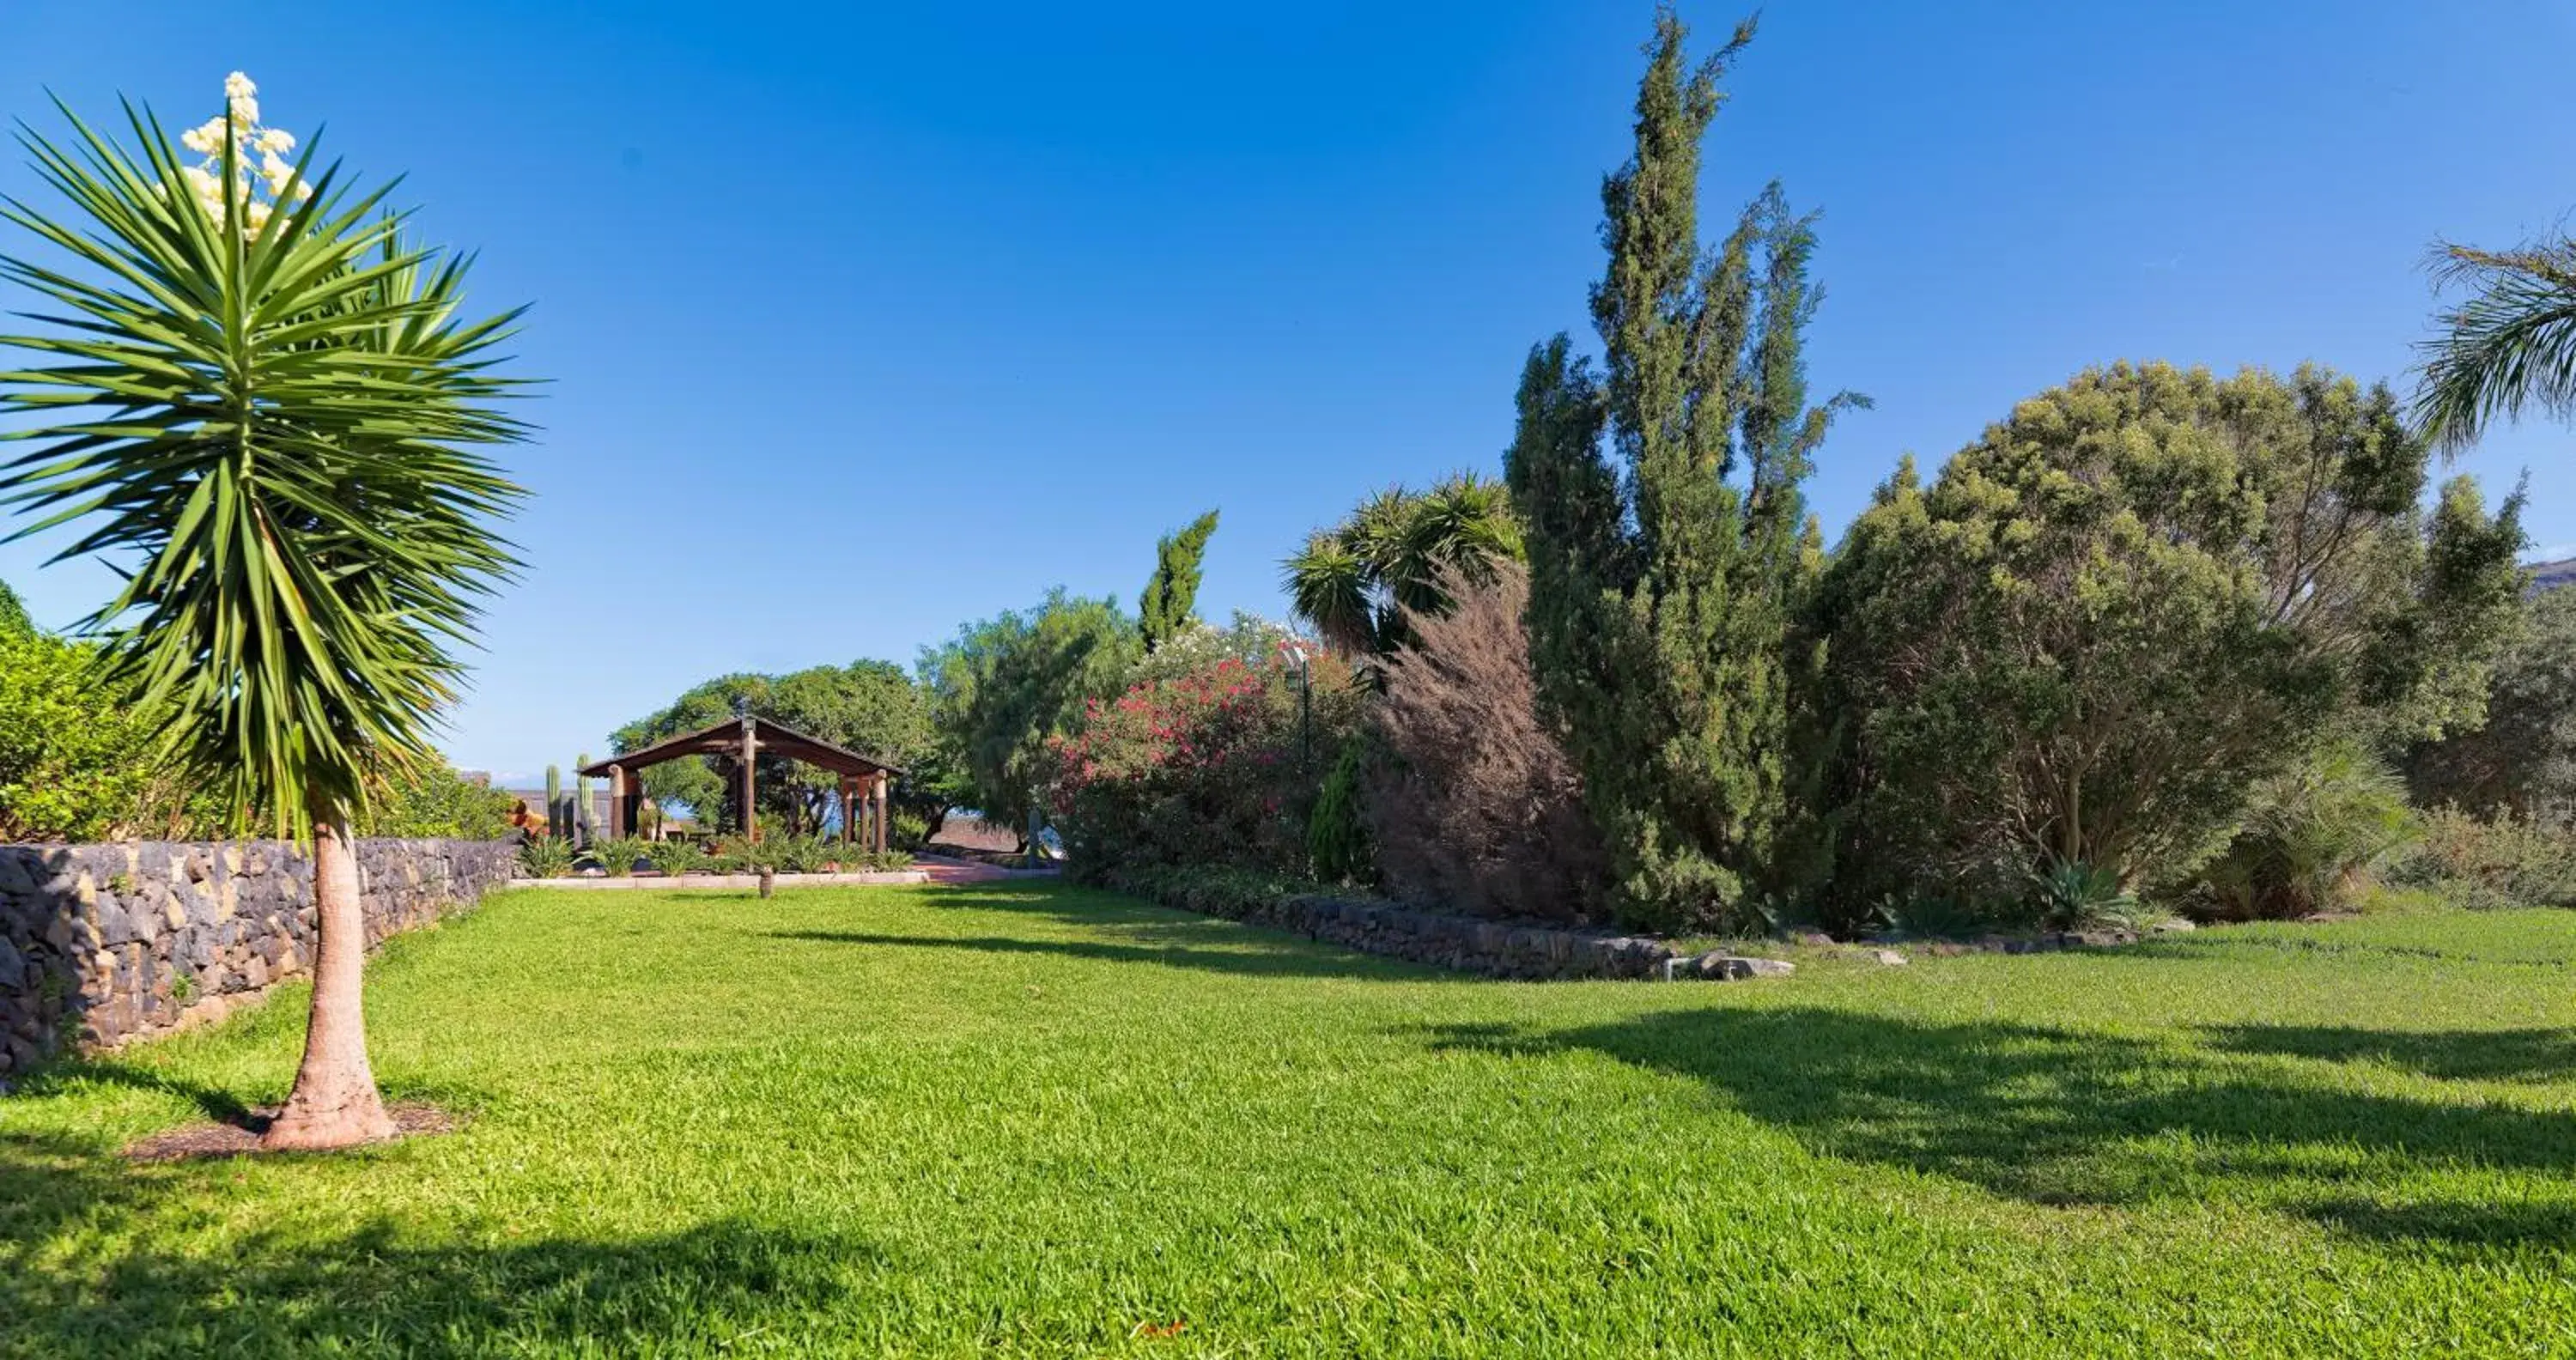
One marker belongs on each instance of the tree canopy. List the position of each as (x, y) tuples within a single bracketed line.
[(1005, 685), (2137, 596)]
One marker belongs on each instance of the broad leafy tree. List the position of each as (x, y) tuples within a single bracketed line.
[(2522, 760), (1666, 557), (2508, 345), (1354, 581), (1169, 605), (265, 401), (2130, 602), (1005, 685)]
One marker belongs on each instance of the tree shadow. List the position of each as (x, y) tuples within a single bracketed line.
[(2527, 1055), (374, 1289), (2062, 1117), (2231, 946), (61, 1075), (1265, 959)]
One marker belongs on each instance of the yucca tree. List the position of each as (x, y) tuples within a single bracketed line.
[(1354, 580), (262, 403), (2509, 344)]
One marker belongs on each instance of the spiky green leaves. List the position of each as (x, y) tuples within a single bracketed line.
[(1354, 580), (273, 431), (2509, 344)]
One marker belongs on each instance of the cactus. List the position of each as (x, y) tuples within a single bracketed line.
[(555, 823), (581, 814)]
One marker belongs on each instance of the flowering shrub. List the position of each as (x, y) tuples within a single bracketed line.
[(1205, 767)]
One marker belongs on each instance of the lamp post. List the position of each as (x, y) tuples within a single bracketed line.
[(1296, 651)]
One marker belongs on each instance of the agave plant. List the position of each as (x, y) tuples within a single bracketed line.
[(264, 401), (546, 856), (617, 856), (674, 858), (2074, 893)]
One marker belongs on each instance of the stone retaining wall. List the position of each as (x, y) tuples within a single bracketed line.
[(102, 943), (1468, 944)]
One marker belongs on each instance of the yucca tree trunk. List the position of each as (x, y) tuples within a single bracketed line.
[(334, 1104)]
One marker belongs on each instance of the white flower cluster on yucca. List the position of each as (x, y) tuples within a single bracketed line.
[(236, 134)]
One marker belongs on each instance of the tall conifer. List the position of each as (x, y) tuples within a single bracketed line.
[(1664, 567), (1172, 593)]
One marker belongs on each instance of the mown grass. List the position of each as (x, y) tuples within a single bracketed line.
[(1029, 1120)]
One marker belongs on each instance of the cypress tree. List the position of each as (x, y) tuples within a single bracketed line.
[(1172, 593), (1664, 567)]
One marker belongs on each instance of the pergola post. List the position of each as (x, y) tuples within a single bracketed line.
[(849, 792), (750, 813), (880, 820), (617, 813)]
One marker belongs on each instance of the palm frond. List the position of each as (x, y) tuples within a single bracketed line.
[(1329, 586), (2510, 344)]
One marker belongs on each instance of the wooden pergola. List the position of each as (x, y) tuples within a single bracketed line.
[(864, 789)]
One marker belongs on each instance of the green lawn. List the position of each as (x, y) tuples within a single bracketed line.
[(1024, 1120)]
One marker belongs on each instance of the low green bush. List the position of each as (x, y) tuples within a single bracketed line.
[(617, 857), (77, 761), (2310, 840), (434, 801), (2503, 861), (673, 858), (546, 856), (1337, 844)]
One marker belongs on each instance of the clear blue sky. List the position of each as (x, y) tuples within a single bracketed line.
[(863, 321)]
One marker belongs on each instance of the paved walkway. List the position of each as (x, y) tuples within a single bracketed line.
[(942, 869)]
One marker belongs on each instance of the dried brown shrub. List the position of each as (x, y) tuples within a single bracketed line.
[(1473, 804)]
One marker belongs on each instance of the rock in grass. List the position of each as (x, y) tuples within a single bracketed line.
[(1718, 966)]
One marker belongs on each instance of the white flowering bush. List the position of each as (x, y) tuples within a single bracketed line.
[(227, 144)]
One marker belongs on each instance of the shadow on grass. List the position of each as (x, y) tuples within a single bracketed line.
[(1262, 954), (67, 1072), (2230, 945), (2062, 1117), (82, 1272), (2460, 1055)]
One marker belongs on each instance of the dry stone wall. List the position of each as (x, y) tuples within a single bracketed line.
[(102, 943)]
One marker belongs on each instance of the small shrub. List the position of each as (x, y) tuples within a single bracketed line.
[(1474, 806), (432, 801), (2505, 861), (546, 857), (77, 761), (1209, 767), (1336, 838), (2074, 894), (183, 987), (2128, 913), (675, 857), (742, 855), (617, 857), (1938, 917), (2309, 840)]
